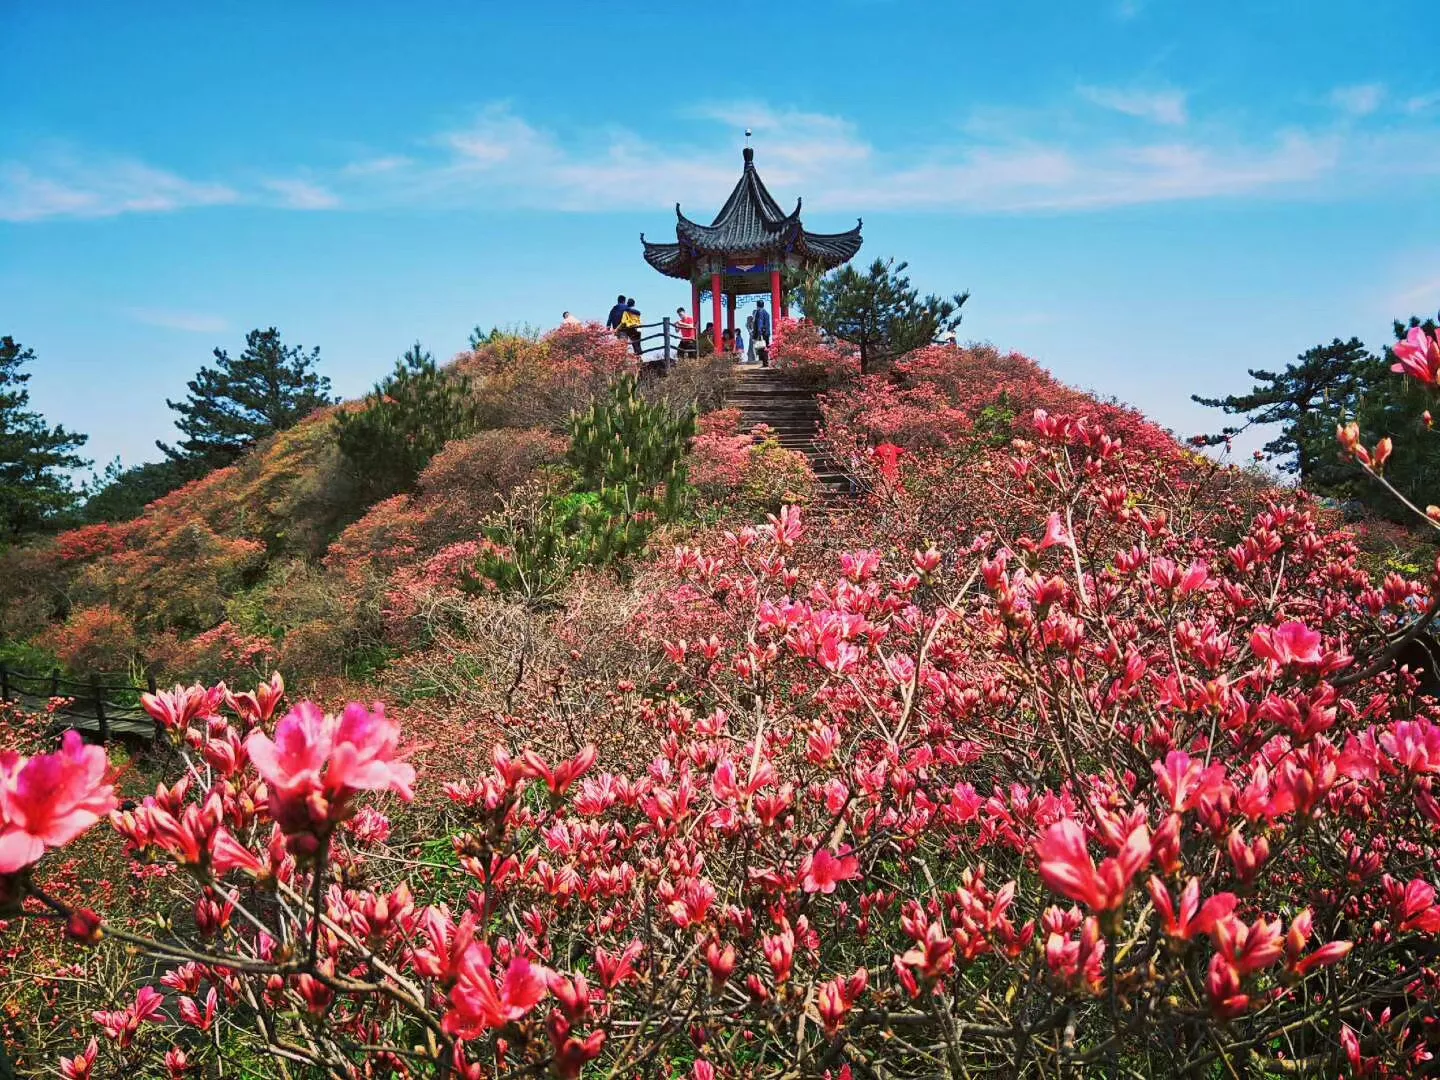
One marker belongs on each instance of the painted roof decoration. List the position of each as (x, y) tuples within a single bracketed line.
[(750, 226)]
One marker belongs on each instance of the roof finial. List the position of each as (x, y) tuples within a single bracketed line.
[(749, 153)]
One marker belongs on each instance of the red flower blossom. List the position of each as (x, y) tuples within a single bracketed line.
[(1414, 905), (1192, 918), (1066, 866), (258, 706), (82, 1064), (822, 871), (121, 1025), (478, 1003), (317, 762), (1418, 355), (1054, 531), (49, 799), (175, 709), (559, 779), (1289, 643)]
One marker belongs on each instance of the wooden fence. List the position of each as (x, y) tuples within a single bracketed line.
[(104, 709), (662, 346)]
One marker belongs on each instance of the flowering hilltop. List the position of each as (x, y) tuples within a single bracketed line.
[(1059, 750)]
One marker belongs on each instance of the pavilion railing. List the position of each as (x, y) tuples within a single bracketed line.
[(662, 345)]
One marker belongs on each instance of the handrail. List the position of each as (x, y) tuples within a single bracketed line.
[(669, 338), (92, 701)]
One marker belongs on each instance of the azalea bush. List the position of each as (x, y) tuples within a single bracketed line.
[(1112, 779), (799, 351), (1113, 772), (749, 472), (94, 639), (537, 383)]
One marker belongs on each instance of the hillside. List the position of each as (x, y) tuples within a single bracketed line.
[(278, 560), (1055, 747)]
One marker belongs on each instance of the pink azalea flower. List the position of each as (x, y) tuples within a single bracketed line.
[(365, 754), (1414, 744), (317, 762), (1418, 355), (49, 799), (822, 871), (1066, 866), (1289, 643), (1054, 531), (478, 1003), (175, 709), (80, 1067)]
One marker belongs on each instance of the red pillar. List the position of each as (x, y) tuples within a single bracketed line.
[(775, 311), (730, 315), (695, 308), (715, 308)]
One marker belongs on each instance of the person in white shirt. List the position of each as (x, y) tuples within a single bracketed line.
[(569, 320)]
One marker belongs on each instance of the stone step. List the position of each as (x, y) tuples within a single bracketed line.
[(769, 393), (781, 420), (766, 396)]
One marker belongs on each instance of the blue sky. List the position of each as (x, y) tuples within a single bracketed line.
[(1148, 196)]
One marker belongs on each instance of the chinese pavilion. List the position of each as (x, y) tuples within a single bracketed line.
[(743, 251)]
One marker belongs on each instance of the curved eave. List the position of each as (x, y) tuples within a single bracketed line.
[(669, 259), (831, 249)]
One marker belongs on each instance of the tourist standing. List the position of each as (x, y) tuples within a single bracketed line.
[(762, 333), (630, 324), (750, 339), (612, 322), (686, 325), (569, 320)]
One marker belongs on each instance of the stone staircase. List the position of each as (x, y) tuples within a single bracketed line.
[(766, 396)]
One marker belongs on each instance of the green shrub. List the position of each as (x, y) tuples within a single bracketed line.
[(406, 421), (627, 459)]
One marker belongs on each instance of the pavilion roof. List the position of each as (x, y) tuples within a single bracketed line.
[(751, 225)]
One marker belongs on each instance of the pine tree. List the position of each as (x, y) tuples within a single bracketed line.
[(121, 494), (407, 420), (34, 456), (1307, 400), (627, 456), (878, 311), (269, 387)]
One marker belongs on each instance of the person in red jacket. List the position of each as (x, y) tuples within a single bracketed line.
[(686, 326)]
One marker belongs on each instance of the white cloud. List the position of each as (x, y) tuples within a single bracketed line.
[(1050, 159), (372, 166), (1158, 106), (302, 195), (65, 184), (503, 160), (1421, 103), (1423, 297), (190, 321), (1359, 100), (1125, 10)]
